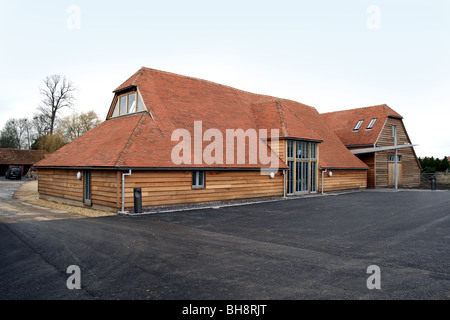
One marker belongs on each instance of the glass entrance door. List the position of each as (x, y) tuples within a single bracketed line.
[(87, 187)]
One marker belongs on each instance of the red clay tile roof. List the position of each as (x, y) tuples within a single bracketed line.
[(175, 102), (343, 122), (20, 157)]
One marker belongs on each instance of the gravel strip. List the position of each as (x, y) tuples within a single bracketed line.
[(27, 192)]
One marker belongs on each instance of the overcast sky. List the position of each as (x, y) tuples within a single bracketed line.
[(331, 55)]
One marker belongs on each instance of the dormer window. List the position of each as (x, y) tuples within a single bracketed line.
[(371, 123), (128, 103), (358, 125)]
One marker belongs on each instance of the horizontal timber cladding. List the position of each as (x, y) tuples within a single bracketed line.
[(60, 183), (343, 180), (64, 184), (410, 166), (175, 187), (106, 188), (369, 159), (279, 147)]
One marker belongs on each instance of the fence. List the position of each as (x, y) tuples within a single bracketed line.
[(442, 180)]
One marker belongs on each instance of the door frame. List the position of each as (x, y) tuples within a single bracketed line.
[(87, 187)]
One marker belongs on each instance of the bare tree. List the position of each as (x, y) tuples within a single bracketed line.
[(25, 128), (9, 136), (41, 125), (16, 134), (58, 94), (76, 124)]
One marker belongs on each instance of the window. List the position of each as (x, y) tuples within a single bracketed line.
[(302, 162), (302, 150), (198, 179), (290, 178), (140, 105), (128, 103), (313, 150), (394, 131), (290, 149), (392, 158), (313, 176), (371, 123), (131, 103), (87, 187), (302, 177), (358, 125), (123, 105)]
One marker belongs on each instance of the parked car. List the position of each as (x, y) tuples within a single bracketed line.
[(14, 172)]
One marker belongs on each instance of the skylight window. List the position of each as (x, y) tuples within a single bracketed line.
[(358, 125), (128, 103), (371, 123)]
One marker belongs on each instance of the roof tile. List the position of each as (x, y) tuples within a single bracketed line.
[(177, 101)]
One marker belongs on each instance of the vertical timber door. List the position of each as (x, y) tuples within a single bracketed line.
[(87, 187), (391, 173), (391, 170)]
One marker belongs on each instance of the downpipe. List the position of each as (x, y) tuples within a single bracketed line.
[(123, 190), (323, 171)]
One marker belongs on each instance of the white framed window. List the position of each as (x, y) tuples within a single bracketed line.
[(394, 131), (371, 123), (392, 158), (198, 179), (358, 125), (128, 103)]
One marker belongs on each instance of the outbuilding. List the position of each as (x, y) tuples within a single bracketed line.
[(185, 140), (377, 135), (19, 158)]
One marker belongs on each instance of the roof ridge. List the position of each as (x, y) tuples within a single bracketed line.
[(127, 146), (299, 118), (282, 118), (353, 109), (137, 77), (208, 81)]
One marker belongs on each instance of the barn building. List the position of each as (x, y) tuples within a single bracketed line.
[(378, 136), (167, 134)]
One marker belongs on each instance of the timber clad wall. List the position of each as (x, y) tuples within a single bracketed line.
[(279, 149), (175, 187), (409, 166), (369, 159), (158, 187), (106, 188), (60, 183), (343, 180)]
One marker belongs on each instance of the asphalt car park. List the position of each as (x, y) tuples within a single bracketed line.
[(321, 247)]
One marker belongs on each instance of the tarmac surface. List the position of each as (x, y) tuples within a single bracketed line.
[(304, 248)]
